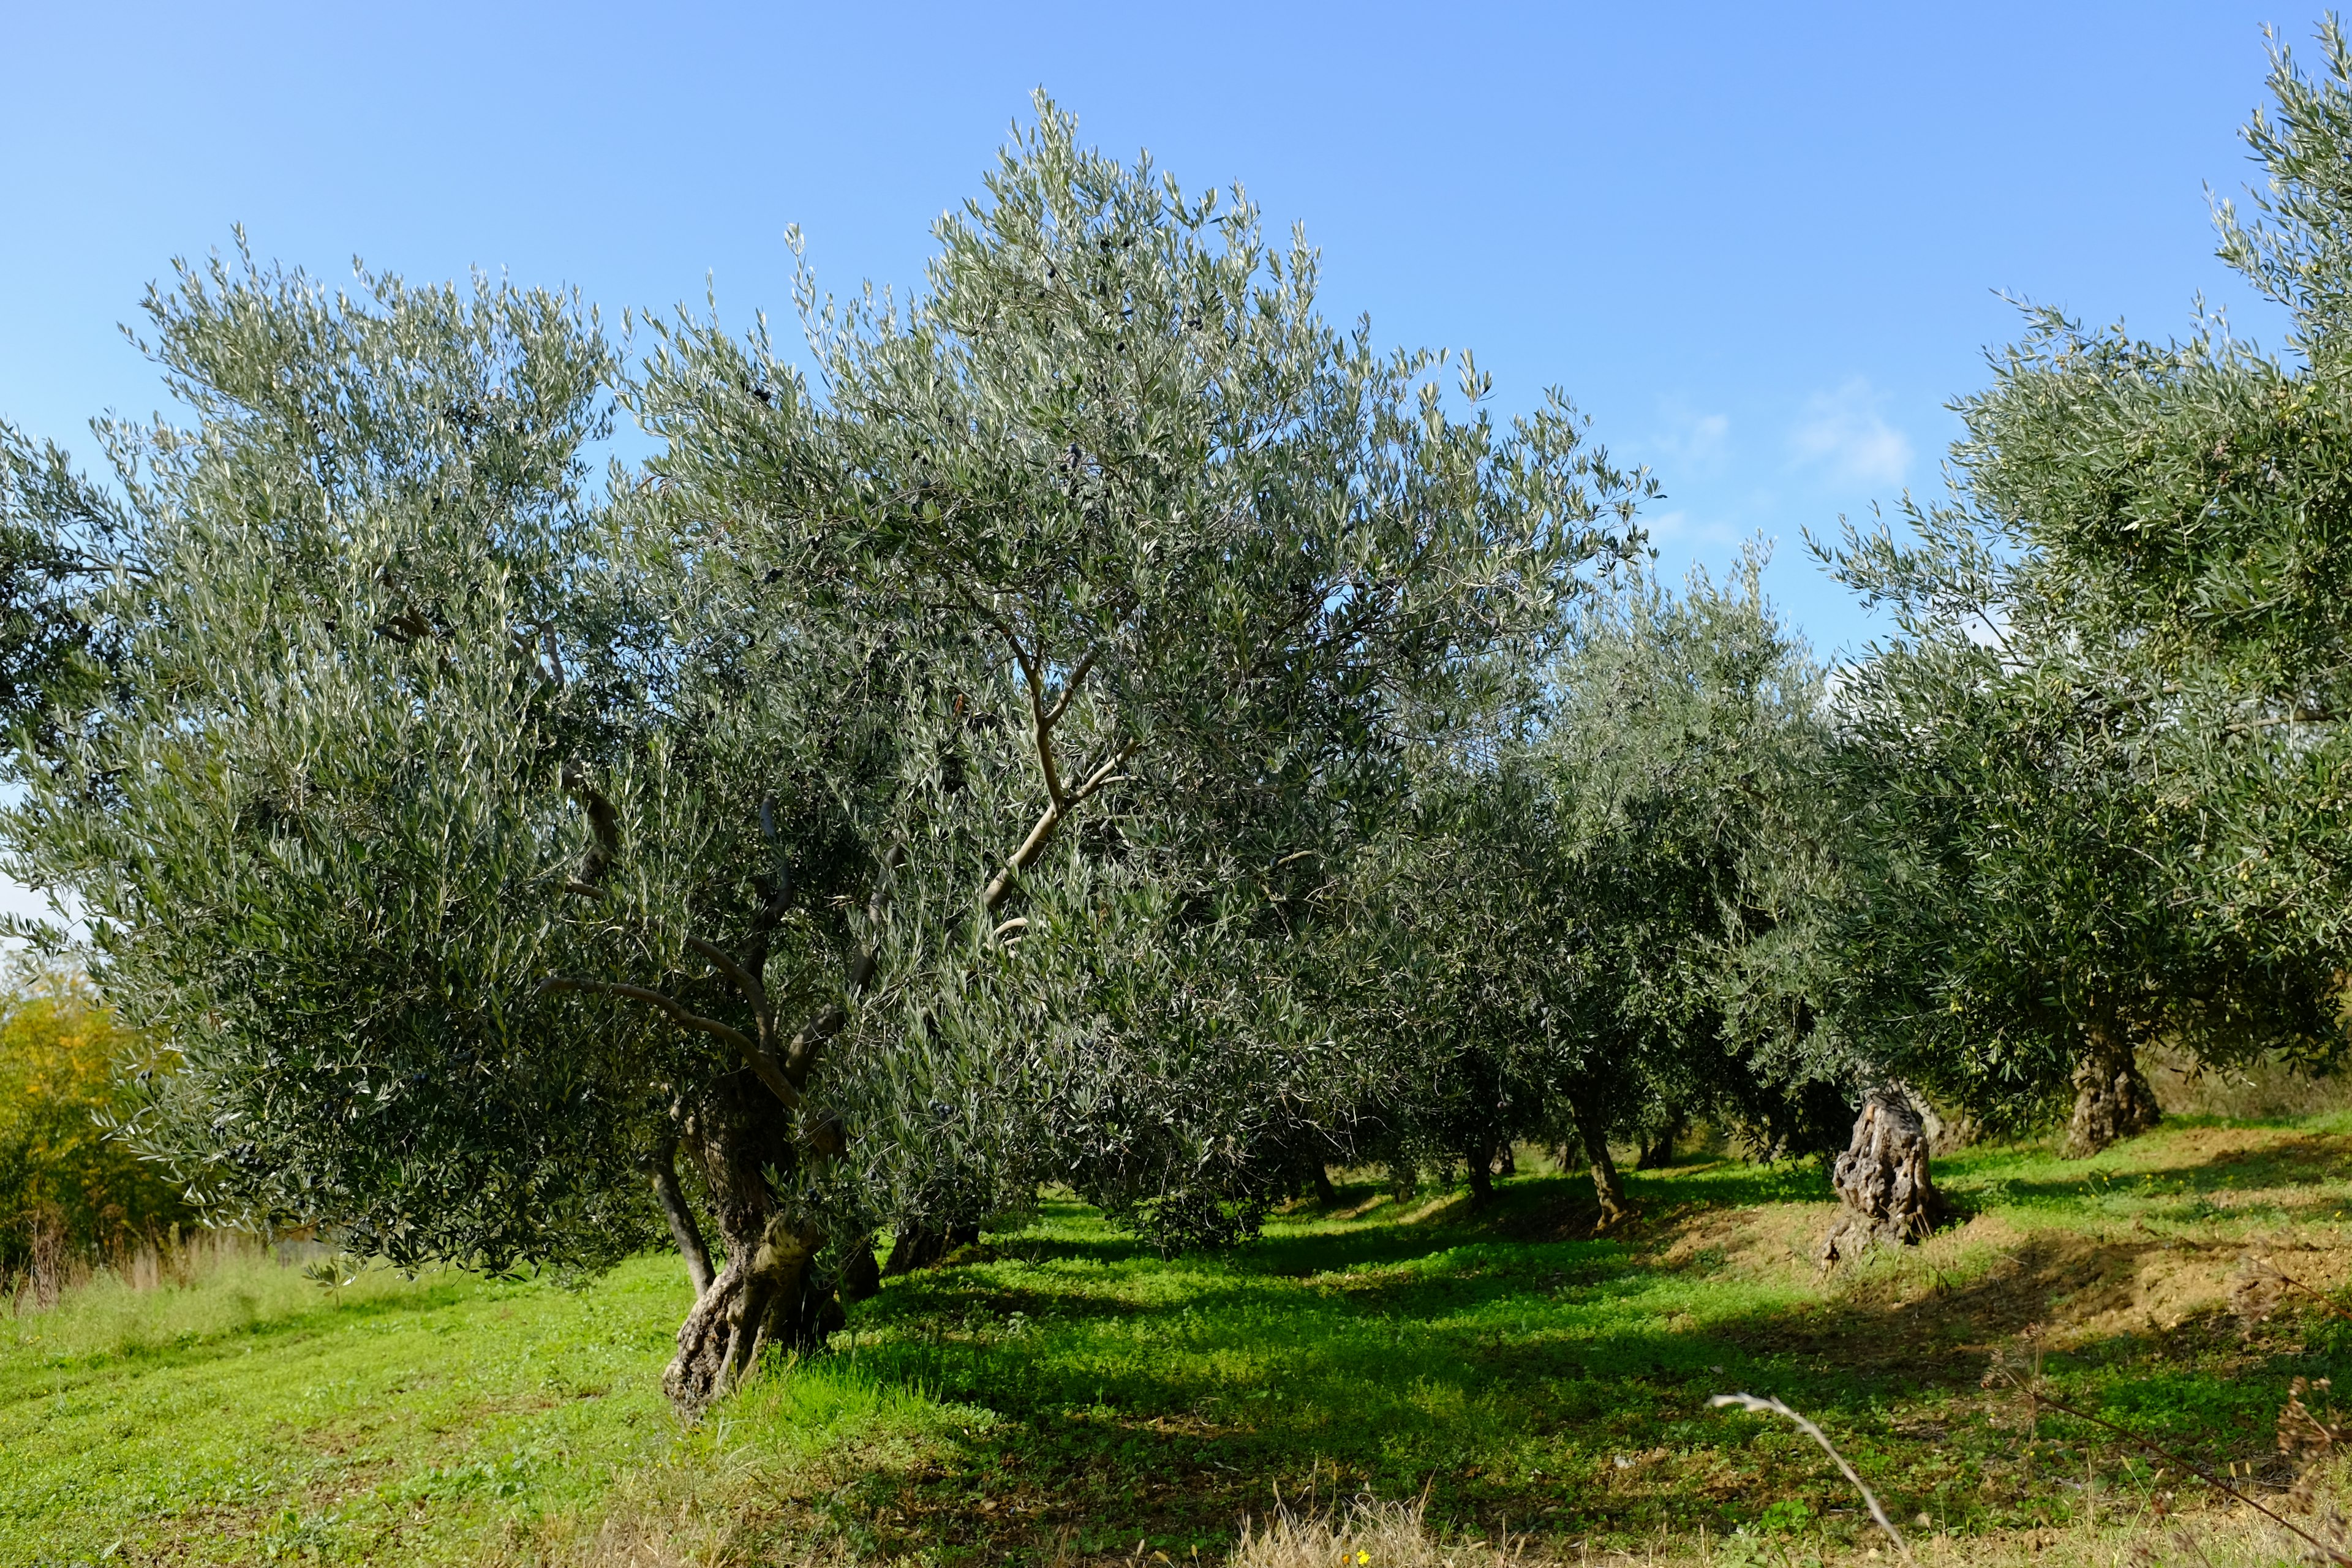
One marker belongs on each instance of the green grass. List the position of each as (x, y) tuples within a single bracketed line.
[(257, 1418), (1078, 1393)]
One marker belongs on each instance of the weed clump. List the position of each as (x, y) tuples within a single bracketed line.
[(1366, 1532)]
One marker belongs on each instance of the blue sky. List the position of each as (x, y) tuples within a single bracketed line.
[(1757, 243)]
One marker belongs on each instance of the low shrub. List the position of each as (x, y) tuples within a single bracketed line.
[(68, 1194)]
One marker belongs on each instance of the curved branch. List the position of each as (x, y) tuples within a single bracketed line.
[(678, 1011), (753, 992), (760, 1062), (1108, 773), (1070, 688), (1041, 723), (999, 887), (801, 1054)]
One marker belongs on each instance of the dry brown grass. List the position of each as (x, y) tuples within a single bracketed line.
[(1367, 1533), (1364, 1534), (175, 1258)]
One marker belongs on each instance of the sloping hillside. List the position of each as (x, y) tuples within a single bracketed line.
[(1069, 1394)]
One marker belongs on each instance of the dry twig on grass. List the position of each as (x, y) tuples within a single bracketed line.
[(2262, 1284), (1774, 1407)]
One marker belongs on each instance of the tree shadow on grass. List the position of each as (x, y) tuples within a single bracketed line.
[(1558, 1383), (2176, 1160)]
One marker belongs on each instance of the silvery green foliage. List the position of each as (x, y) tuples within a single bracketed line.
[(50, 655), (1685, 747), (972, 728), (314, 820), (1186, 572), (1603, 915), (2097, 770)]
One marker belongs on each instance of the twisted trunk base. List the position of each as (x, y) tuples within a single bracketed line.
[(2112, 1099), (768, 1292), (767, 1295), (1883, 1181), (1608, 1186)]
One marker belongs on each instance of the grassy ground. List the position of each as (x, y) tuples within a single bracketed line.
[(1074, 1395)]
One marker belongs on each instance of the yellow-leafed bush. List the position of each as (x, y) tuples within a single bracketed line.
[(65, 1189)]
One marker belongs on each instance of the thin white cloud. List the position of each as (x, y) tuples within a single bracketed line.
[(1843, 432), (1679, 527), (1697, 440)]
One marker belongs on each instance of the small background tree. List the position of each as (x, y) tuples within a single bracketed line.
[(67, 1189)]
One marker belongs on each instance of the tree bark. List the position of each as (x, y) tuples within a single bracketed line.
[(925, 1246), (682, 1228), (1658, 1149), (1325, 1193), (1608, 1186), (1480, 1162), (1883, 1181), (861, 1276), (2112, 1099), (766, 1293)]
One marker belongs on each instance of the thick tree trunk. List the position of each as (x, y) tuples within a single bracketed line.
[(2112, 1099), (1883, 1181), (861, 1275), (682, 1228), (766, 1293), (1658, 1147), (921, 1245), (1608, 1186), (1480, 1162), (1325, 1193)]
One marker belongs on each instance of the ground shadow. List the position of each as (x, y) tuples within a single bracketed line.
[(1560, 1384)]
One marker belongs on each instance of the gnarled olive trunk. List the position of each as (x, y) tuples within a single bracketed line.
[(2112, 1099), (1882, 1180), (1608, 1186), (767, 1292), (1478, 1160), (766, 1295)]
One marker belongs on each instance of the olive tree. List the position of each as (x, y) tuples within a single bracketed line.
[(2097, 765), (1605, 911), (896, 792), (309, 811), (1182, 571)]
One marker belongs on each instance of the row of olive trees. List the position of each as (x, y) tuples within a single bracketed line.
[(2089, 796), (2099, 773), (1093, 723), (1599, 923)]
